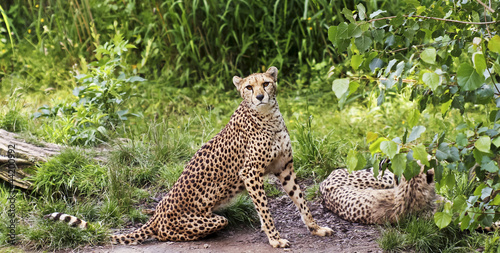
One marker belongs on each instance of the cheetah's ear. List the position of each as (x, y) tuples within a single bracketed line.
[(237, 81), (273, 72)]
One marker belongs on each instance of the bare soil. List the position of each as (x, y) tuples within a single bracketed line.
[(347, 237)]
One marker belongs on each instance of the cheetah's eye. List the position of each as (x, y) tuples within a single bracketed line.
[(265, 84), (249, 87)]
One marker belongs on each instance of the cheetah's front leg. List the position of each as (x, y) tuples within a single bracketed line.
[(254, 184), (288, 180)]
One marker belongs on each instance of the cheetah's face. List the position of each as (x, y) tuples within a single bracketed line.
[(259, 89)]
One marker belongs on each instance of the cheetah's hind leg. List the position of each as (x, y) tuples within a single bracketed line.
[(288, 179), (190, 227), (137, 237)]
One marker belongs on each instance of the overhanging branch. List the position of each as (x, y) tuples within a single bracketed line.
[(440, 19)]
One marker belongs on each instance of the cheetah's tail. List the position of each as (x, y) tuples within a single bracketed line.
[(69, 219), (138, 236)]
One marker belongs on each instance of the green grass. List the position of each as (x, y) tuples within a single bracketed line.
[(240, 211), (71, 173), (45, 234), (13, 121), (271, 188), (422, 235)]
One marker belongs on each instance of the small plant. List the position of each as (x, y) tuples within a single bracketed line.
[(312, 192), (240, 211), (314, 158), (391, 240), (102, 97), (271, 189)]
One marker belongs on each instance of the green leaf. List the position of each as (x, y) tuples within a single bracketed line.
[(429, 55), (353, 87), (375, 147), (420, 154), (363, 43), (375, 63), (412, 169), (459, 203), (453, 155), (390, 148), (431, 79), (342, 31), (450, 180), (478, 155), (361, 162), (375, 168), (381, 97), (399, 164), (494, 44), (378, 35), (465, 222), (348, 15), (484, 95), (468, 78), (356, 61), (352, 160), (462, 140), (495, 201), (376, 13), (354, 30), (413, 117), (355, 161), (361, 11), (483, 144), (389, 66), (496, 142), (442, 219), (486, 192), (397, 21), (490, 166), (416, 132), (446, 106), (488, 219), (371, 136), (332, 34), (479, 62), (340, 86), (443, 152)]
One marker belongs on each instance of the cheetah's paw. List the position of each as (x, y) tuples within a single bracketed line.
[(323, 231), (280, 243)]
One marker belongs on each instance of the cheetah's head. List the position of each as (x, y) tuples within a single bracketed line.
[(258, 89)]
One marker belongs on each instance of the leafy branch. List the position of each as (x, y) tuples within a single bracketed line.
[(435, 18), (450, 68)]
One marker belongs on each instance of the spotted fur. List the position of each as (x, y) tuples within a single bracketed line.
[(254, 143), (360, 197)]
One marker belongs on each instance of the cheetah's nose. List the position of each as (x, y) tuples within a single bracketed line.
[(260, 97)]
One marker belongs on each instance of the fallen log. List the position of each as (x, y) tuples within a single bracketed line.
[(16, 152)]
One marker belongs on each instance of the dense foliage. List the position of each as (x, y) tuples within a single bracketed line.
[(444, 57)]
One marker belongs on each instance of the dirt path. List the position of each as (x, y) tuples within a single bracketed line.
[(348, 237)]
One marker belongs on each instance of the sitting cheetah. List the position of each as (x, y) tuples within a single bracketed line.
[(254, 143), (360, 197)]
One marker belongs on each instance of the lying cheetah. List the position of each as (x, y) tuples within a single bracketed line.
[(360, 197), (254, 143)]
